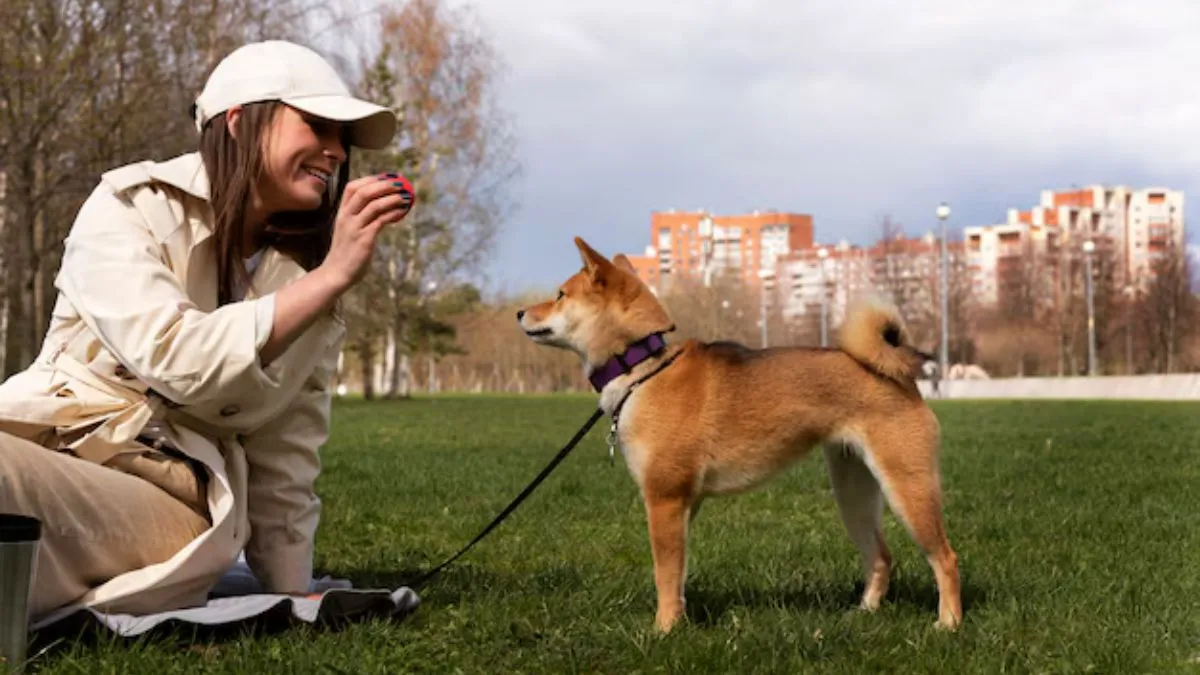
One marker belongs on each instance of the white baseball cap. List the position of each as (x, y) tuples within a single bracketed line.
[(296, 76)]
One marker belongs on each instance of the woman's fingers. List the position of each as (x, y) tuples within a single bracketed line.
[(373, 228), (390, 204), (365, 191)]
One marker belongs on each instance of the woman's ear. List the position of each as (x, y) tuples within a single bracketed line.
[(232, 117)]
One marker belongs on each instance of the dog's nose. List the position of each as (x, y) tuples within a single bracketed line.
[(520, 314)]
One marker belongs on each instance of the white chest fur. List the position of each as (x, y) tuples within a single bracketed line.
[(631, 449)]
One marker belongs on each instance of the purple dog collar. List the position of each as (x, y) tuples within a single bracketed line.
[(621, 364)]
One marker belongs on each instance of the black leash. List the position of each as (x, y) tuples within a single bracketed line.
[(562, 454)]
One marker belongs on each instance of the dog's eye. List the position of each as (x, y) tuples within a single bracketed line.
[(561, 295)]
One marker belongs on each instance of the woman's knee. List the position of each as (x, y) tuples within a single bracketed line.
[(20, 470)]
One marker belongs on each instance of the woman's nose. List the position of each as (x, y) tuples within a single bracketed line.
[(334, 149)]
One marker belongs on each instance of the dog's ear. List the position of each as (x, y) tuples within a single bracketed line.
[(622, 262), (595, 264)]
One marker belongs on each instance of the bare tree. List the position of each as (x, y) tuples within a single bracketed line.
[(888, 270), (1108, 304), (1024, 282), (495, 355), (727, 310), (1169, 308), (962, 308), (458, 151), (89, 85)]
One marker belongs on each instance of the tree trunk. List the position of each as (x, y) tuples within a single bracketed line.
[(1061, 311), (400, 380), (15, 324), (18, 256), (1171, 337), (391, 372), (366, 364), (40, 310), (403, 381)]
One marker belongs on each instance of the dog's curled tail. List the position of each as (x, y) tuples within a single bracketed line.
[(874, 334)]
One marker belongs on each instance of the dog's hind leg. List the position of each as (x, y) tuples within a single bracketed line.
[(904, 458), (860, 503)]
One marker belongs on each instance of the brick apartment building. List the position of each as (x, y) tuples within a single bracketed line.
[(1133, 226), (700, 245), (777, 250)]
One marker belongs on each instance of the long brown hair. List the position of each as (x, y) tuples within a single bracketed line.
[(233, 168)]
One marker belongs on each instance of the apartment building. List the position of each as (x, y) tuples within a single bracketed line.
[(842, 270), (1132, 227), (1154, 226), (646, 266), (907, 269), (701, 246), (998, 256)]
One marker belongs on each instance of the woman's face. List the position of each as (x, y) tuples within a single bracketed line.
[(303, 154)]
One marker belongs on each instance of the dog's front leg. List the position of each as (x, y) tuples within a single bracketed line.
[(668, 518)]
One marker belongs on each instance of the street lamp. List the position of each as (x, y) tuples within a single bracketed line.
[(1089, 247), (763, 275), (823, 254), (943, 212)]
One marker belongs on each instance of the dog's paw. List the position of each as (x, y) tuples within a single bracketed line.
[(949, 625), (869, 605), (665, 621)]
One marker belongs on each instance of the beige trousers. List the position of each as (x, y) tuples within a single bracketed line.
[(97, 522)]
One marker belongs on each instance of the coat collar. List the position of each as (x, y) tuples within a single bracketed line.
[(185, 172)]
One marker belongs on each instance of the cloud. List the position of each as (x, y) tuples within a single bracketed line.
[(846, 111)]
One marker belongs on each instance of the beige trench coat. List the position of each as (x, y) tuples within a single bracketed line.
[(136, 335)]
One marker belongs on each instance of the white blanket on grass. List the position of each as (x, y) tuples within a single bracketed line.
[(238, 599)]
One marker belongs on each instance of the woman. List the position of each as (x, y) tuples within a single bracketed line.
[(174, 415)]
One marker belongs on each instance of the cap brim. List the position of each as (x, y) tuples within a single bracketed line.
[(372, 127)]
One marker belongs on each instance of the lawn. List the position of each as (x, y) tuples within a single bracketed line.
[(1077, 527)]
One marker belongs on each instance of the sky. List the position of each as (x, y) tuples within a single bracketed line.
[(848, 111)]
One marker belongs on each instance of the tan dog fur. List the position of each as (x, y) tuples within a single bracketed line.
[(722, 418)]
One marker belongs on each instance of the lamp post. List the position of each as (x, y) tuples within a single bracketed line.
[(943, 212), (1089, 247), (823, 255)]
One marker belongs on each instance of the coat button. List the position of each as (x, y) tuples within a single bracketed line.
[(229, 410)]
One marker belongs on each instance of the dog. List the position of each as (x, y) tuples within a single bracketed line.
[(697, 419)]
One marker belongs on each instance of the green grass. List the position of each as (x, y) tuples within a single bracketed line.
[(1077, 527)]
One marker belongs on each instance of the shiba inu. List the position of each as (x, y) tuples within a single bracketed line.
[(697, 419)]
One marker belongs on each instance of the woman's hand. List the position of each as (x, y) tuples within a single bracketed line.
[(368, 205)]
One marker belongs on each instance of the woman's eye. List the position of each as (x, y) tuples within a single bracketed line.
[(323, 128)]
